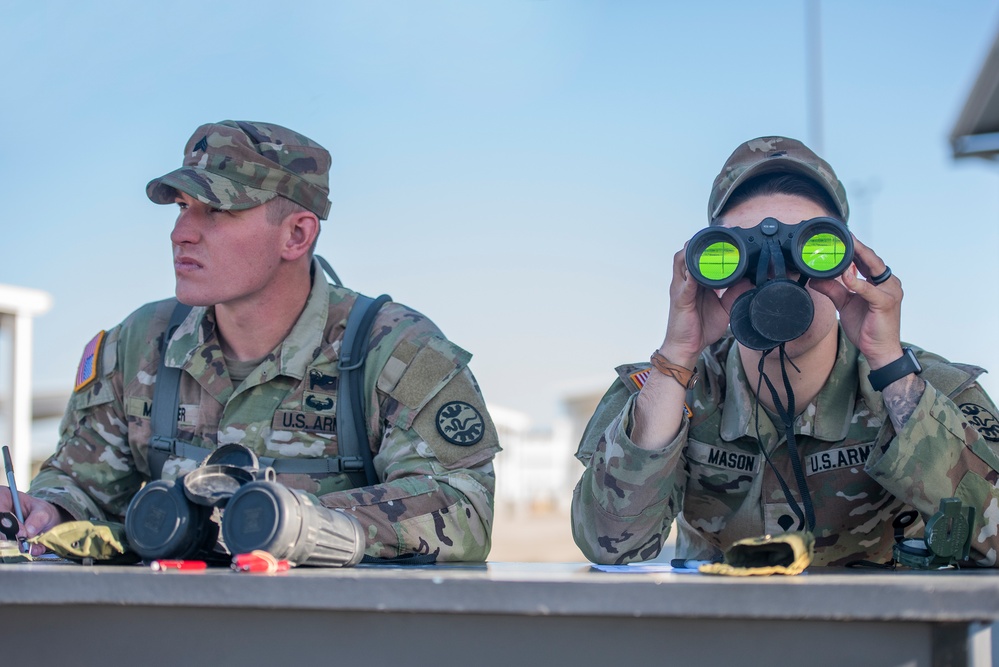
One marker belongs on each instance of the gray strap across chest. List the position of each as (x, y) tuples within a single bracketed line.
[(352, 439)]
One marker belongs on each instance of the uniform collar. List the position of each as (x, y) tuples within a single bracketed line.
[(298, 349), (827, 417)]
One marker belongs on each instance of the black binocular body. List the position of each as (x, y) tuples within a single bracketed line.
[(777, 309), (242, 504)]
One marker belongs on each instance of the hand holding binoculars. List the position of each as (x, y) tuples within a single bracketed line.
[(777, 309)]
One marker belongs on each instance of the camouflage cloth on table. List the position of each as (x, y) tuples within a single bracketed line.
[(103, 541), (714, 481), (427, 422)]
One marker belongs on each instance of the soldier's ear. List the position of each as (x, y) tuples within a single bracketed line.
[(301, 230)]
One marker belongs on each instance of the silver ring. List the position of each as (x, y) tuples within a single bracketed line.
[(877, 280)]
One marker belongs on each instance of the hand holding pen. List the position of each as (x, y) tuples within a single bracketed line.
[(14, 496), (35, 516)]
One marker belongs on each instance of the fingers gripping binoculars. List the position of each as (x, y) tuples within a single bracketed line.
[(232, 497), (777, 309)]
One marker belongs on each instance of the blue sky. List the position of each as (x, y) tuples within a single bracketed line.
[(521, 171)]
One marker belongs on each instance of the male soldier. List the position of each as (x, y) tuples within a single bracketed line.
[(258, 354), (879, 429)]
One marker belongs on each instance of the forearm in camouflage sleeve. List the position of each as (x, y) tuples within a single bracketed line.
[(422, 507), (91, 474), (58, 488), (627, 497), (947, 448)]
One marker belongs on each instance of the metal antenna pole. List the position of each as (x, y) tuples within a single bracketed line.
[(813, 77)]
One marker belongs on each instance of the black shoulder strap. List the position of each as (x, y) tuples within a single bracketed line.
[(329, 270), (166, 400), (351, 429)]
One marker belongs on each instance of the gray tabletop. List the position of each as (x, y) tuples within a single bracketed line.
[(568, 589)]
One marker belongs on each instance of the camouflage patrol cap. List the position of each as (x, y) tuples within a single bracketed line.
[(767, 155), (236, 165)]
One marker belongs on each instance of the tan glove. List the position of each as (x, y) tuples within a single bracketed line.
[(788, 553)]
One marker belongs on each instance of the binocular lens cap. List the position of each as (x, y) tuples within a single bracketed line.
[(742, 325), (782, 310), (213, 485), (233, 455), (160, 523), (255, 518)]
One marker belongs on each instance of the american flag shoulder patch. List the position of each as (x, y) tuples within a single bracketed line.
[(86, 372), (639, 378)]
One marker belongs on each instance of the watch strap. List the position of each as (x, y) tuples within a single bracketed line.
[(897, 369)]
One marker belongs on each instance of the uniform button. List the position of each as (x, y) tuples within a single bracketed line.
[(786, 521)]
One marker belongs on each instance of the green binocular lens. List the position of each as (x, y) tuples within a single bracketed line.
[(823, 252), (718, 261), (717, 257), (822, 248)]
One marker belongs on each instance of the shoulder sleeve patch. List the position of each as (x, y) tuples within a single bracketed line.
[(432, 367), (397, 364), (949, 378), (457, 426), (634, 376), (89, 368)]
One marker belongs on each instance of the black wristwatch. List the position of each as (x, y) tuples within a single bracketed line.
[(899, 368)]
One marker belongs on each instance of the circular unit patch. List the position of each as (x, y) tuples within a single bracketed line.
[(983, 420), (460, 424)]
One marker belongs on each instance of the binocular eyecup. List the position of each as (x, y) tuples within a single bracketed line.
[(718, 257)]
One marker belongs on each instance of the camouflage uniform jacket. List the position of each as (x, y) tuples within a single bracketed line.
[(436, 490), (715, 482)]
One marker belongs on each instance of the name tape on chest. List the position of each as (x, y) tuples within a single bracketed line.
[(719, 457), (835, 459), (188, 415), (291, 420)]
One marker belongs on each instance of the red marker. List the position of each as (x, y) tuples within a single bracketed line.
[(259, 561), (162, 565)]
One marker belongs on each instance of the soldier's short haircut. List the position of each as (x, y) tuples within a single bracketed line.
[(280, 208)]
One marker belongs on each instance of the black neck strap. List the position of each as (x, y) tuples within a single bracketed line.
[(786, 415)]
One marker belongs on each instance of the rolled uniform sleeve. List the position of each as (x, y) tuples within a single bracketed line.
[(627, 497), (947, 448)]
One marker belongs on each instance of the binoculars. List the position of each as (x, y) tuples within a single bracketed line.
[(230, 497), (718, 257), (777, 309)]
